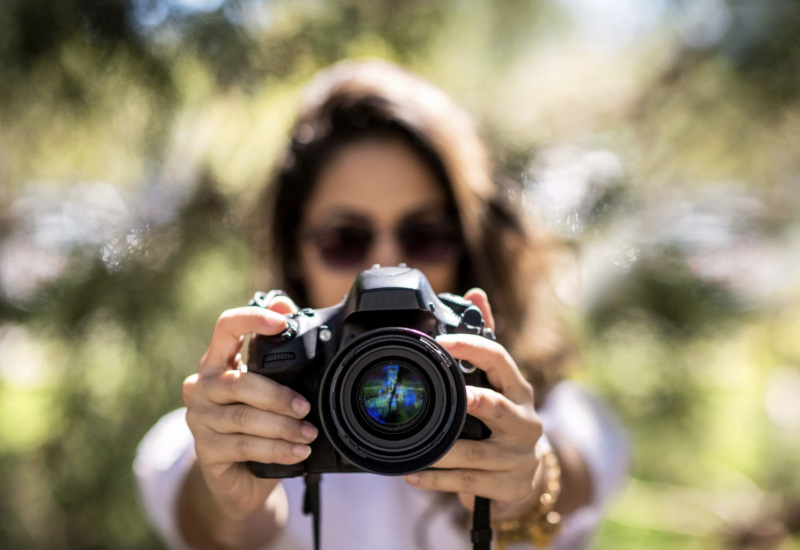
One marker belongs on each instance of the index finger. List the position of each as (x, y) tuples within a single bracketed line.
[(500, 414), (283, 304), (232, 326), (494, 360)]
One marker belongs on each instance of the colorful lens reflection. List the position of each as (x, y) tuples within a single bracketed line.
[(393, 395)]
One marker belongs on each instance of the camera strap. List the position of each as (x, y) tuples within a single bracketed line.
[(311, 504), (481, 533)]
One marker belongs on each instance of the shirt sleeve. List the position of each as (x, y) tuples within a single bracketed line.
[(573, 413), (163, 459)]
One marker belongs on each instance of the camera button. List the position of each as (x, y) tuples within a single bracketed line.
[(472, 317), (289, 332), (325, 333)]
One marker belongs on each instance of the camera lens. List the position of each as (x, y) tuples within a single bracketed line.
[(393, 401), (393, 394)]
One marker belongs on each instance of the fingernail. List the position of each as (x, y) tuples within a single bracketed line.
[(413, 479), (300, 406), (301, 451), (470, 397), (309, 432)]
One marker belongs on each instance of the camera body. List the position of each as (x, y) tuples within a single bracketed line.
[(388, 398)]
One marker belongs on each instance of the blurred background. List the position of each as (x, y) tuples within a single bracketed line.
[(657, 139)]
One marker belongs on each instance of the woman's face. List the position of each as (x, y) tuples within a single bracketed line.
[(376, 202)]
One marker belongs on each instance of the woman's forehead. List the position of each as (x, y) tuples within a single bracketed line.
[(375, 180), (370, 216)]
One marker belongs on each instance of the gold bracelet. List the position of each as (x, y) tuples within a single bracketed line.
[(541, 524)]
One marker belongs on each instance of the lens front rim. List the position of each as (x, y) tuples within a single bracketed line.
[(393, 452)]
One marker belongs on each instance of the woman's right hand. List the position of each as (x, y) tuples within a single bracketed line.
[(238, 416)]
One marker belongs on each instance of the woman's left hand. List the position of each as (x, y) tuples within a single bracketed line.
[(502, 467)]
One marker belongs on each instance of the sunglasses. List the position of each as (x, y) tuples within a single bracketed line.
[(347, 245)]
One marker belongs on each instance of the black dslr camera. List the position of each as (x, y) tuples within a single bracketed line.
[(388, 398)]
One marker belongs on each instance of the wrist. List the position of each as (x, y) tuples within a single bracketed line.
[(540, 523), (209, 523), (253, 529)]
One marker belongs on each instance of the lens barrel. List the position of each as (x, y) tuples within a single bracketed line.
[(393, 401)]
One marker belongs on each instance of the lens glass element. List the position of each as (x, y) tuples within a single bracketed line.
[(393, 394)]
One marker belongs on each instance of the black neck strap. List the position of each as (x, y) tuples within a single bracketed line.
[(311, 504), (481, 533), (481, 524)]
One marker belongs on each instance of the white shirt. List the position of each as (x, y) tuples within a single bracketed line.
[(367, 511)]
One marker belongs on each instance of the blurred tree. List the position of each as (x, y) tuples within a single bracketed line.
[(108, 290)]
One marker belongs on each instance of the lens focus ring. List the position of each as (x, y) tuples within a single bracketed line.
[(391, 404)]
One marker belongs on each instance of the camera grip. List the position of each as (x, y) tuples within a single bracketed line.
[(475, 429)]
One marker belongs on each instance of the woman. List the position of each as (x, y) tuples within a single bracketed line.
[(383, 169)]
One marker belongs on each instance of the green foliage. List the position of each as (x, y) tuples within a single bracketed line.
[(109, 290)]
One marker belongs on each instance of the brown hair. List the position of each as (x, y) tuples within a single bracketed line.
[(357, 100)]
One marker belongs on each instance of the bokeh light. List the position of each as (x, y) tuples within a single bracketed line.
[(656, 140)]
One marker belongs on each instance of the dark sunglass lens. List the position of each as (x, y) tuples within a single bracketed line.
[(345, 246), (429, 242)]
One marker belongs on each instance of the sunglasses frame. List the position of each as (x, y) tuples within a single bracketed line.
[(447, 233)]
